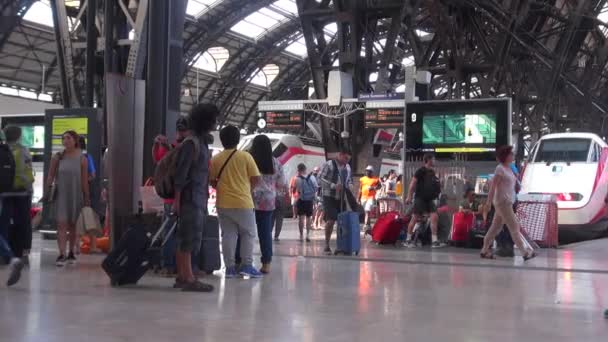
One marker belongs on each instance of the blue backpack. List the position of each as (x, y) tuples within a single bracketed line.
[(307, 189)]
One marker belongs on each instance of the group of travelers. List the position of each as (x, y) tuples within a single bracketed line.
[(251, 188)]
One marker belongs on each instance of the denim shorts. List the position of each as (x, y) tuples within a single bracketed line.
[(190, 228)]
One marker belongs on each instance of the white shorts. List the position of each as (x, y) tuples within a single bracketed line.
[(369, 205), (294, 201)]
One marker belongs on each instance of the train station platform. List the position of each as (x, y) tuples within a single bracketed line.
[(385, 294)]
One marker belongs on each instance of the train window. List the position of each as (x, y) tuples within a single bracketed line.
[(563, 150), (279, 150), (595, 153)]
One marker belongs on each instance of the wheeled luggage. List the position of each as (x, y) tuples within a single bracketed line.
[(462, 225), (349, 240), (387, 228), (135, 253), (209, 258)]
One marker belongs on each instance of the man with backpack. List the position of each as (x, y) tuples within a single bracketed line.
[(7, 175), (425, 188), (18, 202), (335, 179), (192, 193), (306, 186)]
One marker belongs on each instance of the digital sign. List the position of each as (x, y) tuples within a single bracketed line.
[(384, 117), (283, 119)]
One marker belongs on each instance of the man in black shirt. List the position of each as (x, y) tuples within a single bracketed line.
[(425, 189)]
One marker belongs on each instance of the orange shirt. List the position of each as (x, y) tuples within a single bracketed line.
[(292, 187), (366, 183)]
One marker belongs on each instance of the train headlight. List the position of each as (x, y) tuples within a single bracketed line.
[(569, 197)]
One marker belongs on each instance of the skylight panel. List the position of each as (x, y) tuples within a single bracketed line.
[(258, 22), (298, 48), (196, 8), (265, 76), (213, 59), (40, 13), (288, 6)]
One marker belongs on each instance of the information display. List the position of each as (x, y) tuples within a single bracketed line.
[(474, 128), (384, 117), (283, 120), (62, 124), (458, 128)]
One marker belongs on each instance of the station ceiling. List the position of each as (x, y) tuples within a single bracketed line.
[(257, 47)]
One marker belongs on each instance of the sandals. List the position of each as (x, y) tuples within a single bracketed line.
[(197, 286), (487, 255), (529, 255)]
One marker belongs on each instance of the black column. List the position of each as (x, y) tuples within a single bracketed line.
[(91, 51)]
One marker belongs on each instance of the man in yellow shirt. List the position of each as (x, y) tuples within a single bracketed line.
[(369, 184), (234, 173)]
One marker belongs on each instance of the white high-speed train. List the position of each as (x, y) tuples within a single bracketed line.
[(292, 150), (573, 167)]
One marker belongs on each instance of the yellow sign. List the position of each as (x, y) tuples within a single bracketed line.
[(463, 149), (61, 125)]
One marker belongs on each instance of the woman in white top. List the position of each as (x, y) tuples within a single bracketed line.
[(502, 195)]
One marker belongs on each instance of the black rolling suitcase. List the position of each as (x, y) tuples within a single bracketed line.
[(209, 258), (135, 253)]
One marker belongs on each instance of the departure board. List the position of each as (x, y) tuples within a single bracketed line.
[(384, 117), (284, 119)]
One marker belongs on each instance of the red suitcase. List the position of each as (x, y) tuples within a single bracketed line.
[(462, 224), (388, 228)]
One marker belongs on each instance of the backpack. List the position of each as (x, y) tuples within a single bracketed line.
[(431, 187), (24, 175), (307, 190), (164, 174), (7, 168)]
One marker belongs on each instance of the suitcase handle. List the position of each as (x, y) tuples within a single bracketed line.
[(162, 229)]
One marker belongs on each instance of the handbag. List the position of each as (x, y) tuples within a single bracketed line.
[(150, 201), (88, 223)]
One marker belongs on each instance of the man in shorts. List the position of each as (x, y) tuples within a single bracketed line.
[(306, 186), (335, 177), (424, 185), (191, 194), (368, 186)]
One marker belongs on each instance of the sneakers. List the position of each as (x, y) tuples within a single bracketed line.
[(327, 250), (231, 272), (250, 271), (197, 286), (71, 259), (265, 269), (276, 239), (307, 239), (409, 244), (15, 266), (60, 261), (438, 244)]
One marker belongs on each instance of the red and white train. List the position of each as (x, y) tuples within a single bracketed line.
[(573, 167)]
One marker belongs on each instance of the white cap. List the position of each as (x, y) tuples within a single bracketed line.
[(369, 168)]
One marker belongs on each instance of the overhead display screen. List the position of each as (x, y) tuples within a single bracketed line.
[(474, 128), (456, 128), (384, 117), (283, 120)]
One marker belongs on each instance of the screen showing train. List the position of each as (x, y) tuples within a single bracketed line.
[(465, 127), (457, 128)]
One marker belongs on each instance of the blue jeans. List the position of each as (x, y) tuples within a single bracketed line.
[(263, 219), (16, 224), (5, 249)]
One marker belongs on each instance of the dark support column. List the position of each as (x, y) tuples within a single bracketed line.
[(163, 87), (91, 50), (156, 89), (65, 88)]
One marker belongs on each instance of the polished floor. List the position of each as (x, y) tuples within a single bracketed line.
[(386, 294)]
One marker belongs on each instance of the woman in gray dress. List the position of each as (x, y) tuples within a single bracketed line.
[(69, 173)]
